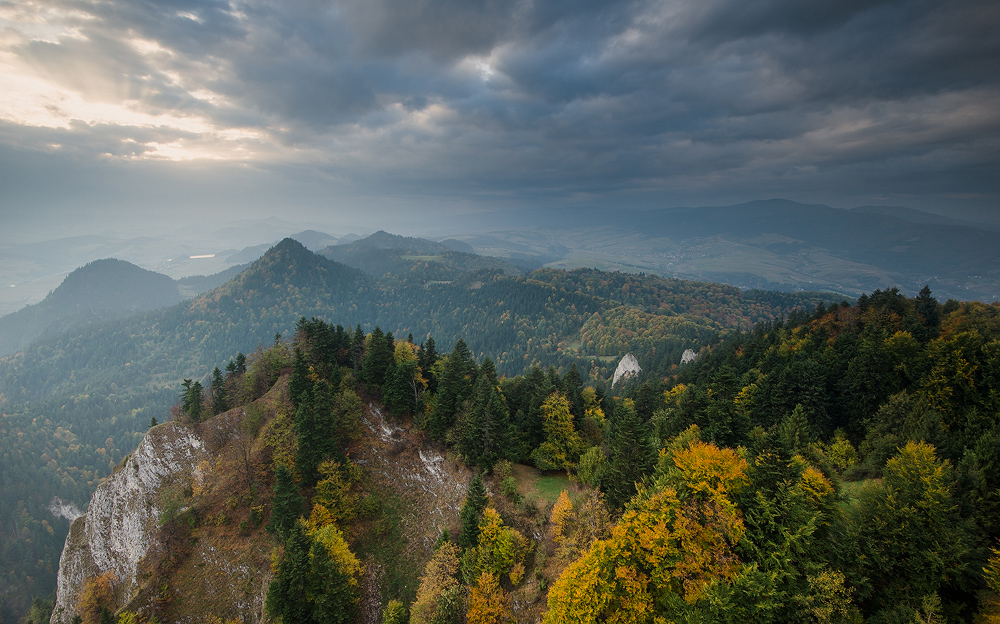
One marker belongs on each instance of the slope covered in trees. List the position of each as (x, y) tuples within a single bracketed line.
[(83, 398), (769, 482), (99, 291)]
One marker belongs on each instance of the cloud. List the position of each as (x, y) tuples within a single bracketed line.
[(633, 101)]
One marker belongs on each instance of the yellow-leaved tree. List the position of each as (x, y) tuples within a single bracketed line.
[(674, 541), (563, 445), (488, 602), (438, 586)]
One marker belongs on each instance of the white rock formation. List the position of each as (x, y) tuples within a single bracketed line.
[(688, 356), (118, 528), (627, 369)]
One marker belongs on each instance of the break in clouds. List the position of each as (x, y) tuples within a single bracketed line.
[(641, 102)]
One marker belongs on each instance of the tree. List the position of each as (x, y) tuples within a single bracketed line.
[(191, 399), (219, 399), (299, 386), (455, 386), (488, 437), (334, 577), (913, 540), (500, 549), (472, 509), (286, 506), (488, 602), (287, 596), (562, 446), (378, 359), (630, 455), (436, 584)]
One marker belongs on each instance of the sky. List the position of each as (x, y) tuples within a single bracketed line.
[(395, 111)]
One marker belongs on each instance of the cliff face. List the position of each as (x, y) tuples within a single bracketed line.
[(119, 527), (216, 558)]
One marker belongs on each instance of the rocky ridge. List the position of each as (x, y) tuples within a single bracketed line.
[(119, 527)]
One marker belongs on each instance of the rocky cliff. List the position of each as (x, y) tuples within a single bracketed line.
[(180, 525), (120, 525), (628, 368)]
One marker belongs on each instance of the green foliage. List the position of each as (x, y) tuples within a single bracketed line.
[(472, 509), (317, 579), (286, 506), (914, 542), (630, 456), (562, 446), (395, 613)]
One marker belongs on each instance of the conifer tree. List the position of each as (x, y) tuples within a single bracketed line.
[(287, 594), (299, 385), (219, 399), (379, 358), (472, 509), (286, 506), (427, 356), (630, 455), (455, 386), (489, 436)]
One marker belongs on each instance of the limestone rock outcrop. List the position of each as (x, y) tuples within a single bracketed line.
[(688, 356), (120, 524), (628, 368)]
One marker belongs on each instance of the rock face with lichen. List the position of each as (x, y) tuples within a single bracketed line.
[(120, 524), (628, 368)]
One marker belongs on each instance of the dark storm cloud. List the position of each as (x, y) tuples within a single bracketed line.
[(646, 101)]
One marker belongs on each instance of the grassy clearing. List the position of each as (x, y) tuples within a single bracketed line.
[(543, 488)]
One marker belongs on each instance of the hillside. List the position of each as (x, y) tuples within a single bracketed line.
[(99, 291), (84, 399), (832, 468)]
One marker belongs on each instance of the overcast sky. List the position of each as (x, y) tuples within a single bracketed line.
[(395, 109)]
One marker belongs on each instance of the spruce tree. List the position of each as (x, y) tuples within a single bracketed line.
[(288, 593), (630, 455), (219, 400), (455, 386), (427, 356), (472, 509), (378, 359), (299, 384), (286, 506), (489, 436)]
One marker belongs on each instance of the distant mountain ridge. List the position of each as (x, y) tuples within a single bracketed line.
[(774, 244), (99, 291)]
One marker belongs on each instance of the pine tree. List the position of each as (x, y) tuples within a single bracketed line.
[(472, 509), (286, 506)]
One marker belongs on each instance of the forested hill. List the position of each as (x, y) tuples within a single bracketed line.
[(384, 255), (101, 290), (74, 404), (841, 467)]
